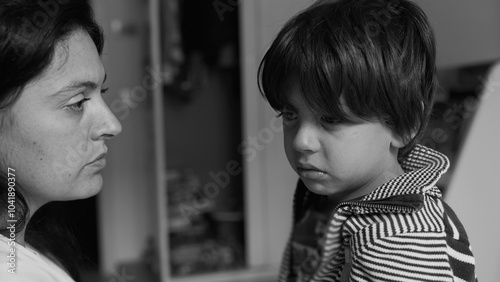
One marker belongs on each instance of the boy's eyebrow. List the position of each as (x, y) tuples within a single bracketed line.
[(294, 105), (288, 104)]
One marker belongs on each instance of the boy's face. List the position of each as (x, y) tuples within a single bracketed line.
[(341, 160)]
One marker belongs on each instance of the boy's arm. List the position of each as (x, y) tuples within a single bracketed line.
[(405, 257), (438, 255)]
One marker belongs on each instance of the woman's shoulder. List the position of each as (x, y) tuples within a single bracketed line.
[(26, 265)]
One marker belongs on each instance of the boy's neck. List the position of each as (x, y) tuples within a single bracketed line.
[(384, 177)]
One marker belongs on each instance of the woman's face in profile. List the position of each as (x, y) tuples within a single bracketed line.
[(59, 125)]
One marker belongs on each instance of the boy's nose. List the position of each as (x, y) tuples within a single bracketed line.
[(306, 139)]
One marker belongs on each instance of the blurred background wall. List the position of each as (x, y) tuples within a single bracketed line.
[(467, 36)]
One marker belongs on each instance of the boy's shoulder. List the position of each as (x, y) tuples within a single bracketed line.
[(404, 214)]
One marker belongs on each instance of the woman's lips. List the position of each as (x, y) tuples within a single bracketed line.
[(100, 162)]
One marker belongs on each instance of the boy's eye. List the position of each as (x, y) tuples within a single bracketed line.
[(78, 106), (287, 115), (329, 120)]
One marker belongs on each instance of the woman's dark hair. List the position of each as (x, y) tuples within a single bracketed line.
[(29, 33), (30, 30), (373, 59)]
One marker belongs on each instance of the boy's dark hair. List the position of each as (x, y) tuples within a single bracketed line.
[(373, 59)]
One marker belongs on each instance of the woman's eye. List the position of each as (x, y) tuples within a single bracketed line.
[(104, 90), (78, 106)]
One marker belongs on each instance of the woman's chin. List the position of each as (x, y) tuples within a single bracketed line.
[(89, 189)]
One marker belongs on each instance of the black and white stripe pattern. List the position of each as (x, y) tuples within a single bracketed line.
[(402, 231)]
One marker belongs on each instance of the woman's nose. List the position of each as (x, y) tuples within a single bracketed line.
[(108, 125)]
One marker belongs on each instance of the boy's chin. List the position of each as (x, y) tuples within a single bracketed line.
[(318, 187)]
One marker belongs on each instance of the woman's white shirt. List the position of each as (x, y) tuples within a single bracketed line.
[(23, 264)]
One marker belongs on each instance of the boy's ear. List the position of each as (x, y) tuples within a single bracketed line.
[(397, 141)]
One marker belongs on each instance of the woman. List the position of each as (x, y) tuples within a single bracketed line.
[(53, 124)]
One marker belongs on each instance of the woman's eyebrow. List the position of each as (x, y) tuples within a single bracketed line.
[(79, 84)]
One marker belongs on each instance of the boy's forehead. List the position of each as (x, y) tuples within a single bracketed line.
[(296, 94), (293, 99), (300, 103)]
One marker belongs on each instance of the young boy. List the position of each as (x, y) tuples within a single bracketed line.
[(354, 81)]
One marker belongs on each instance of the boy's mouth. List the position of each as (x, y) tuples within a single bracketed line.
[(310, 172), (307, 166)]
